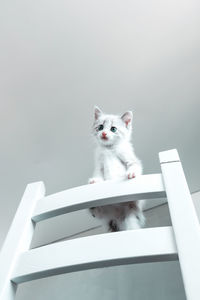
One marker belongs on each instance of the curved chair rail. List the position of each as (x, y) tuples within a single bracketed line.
[(91, 195), (127, 247)]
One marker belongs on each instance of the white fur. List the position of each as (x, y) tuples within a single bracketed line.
[(115, 159)]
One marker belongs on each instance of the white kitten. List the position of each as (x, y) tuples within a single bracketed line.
[(115, 159)]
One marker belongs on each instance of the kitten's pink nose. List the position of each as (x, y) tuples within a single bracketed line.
[(104, 134)]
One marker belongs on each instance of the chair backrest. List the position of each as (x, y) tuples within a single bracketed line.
[(19, 263)]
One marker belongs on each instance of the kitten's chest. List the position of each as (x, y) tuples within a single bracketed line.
[(112, 167)]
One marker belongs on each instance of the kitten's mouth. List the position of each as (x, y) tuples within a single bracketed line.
[(104, 138)]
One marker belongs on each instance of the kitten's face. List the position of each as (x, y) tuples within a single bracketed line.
[(110, 130)]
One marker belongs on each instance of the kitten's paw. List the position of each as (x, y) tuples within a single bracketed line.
[(95, 180), (92, 211), (131, 175), (96, 212)]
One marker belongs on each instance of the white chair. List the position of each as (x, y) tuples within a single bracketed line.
[(181, 241)]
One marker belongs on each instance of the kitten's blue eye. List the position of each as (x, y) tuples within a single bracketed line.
[(100, 127), (113, 129)]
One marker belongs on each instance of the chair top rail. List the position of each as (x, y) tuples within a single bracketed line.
[(104, 193), (104, 250)]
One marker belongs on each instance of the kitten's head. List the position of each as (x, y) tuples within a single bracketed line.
[(110, 130)]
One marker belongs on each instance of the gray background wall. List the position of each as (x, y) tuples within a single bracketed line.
[(59, 58)]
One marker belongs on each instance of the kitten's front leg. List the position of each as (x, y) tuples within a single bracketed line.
[(133, 170), (97, 175), (130, 161), (94, 210)]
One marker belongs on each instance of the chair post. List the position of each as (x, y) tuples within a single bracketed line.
[(184, 221), (18, 238)]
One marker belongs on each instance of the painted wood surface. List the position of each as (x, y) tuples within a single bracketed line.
[(184, 221), (132, 246), (107, 192), (18, 238)]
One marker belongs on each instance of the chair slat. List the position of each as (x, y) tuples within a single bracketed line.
[(107, 192), (127, 247)]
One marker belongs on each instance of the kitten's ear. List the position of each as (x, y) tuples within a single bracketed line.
[(97, 112), (127, 118)]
